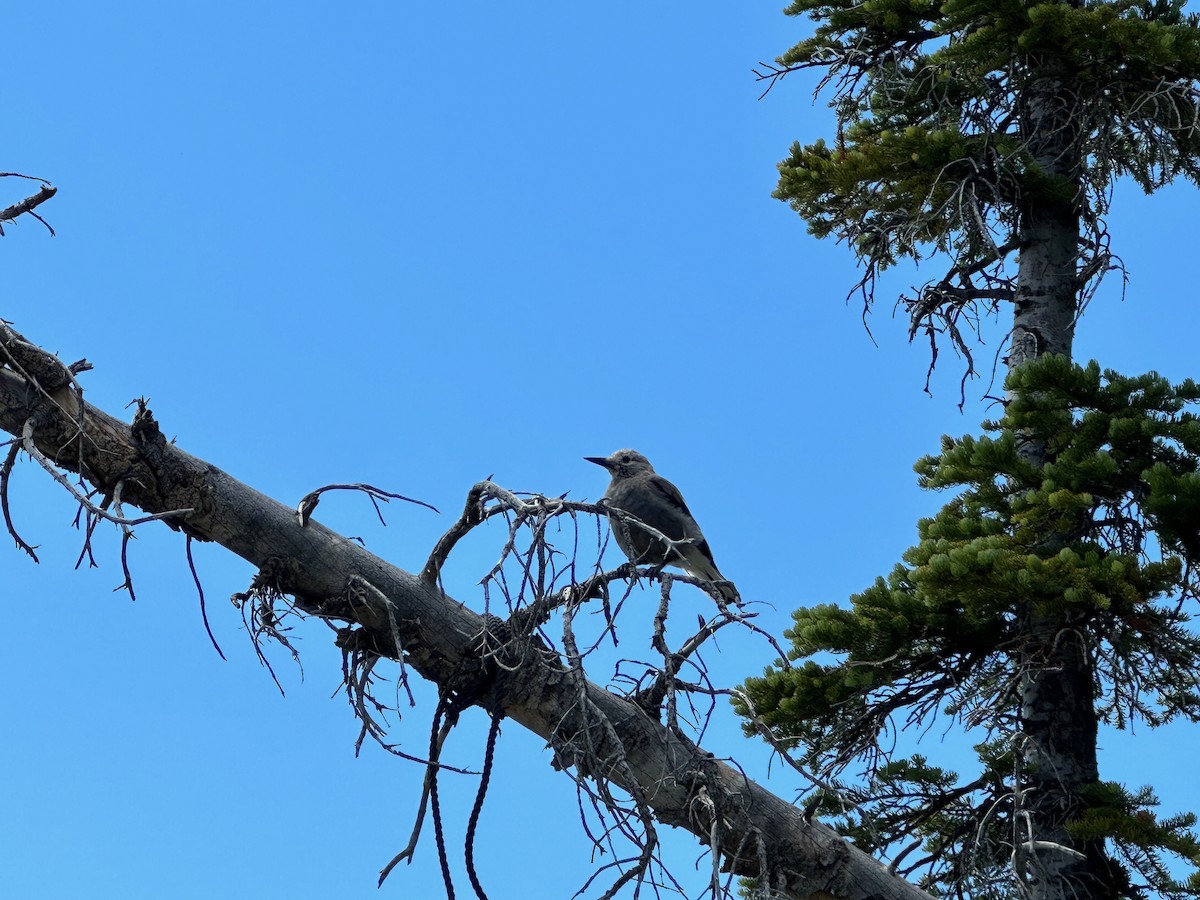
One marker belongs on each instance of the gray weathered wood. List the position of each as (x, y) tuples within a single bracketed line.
[(805, 859)]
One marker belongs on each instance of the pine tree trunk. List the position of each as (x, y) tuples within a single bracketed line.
[(1057, 715)]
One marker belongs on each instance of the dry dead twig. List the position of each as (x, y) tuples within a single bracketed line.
[(28, 205), (308, 503)]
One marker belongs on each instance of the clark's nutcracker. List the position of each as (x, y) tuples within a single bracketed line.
[(640, 491)]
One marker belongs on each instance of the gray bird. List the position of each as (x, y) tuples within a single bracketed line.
[(640, 491)]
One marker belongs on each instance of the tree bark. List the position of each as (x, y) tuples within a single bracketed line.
[(1057, 715), (438, 636), (1047, 279)]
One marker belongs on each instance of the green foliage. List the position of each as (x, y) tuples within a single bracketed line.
[(975, 130), (1127, 819), (934, 150), (910, 798), (1106, 534)]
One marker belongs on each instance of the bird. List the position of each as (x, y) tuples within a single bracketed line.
[(640, 491)]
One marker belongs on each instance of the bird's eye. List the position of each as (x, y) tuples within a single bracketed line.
[(625, 458)]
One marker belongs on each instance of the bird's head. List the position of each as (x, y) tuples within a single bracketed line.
[(623, 463)]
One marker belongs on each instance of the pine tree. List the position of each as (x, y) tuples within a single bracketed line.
[(1051, 594)]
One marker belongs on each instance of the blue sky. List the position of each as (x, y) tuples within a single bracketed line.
[(416, 245)]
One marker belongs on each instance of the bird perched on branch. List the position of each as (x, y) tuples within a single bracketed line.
[(641, 492)]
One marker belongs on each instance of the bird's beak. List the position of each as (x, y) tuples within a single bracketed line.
[(599, 460)]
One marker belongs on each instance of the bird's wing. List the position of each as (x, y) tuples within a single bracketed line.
[(669, 492), (707, 554), (672, 495)]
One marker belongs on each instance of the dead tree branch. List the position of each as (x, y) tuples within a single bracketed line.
[(308, 503), (28, 205), (757, 834)]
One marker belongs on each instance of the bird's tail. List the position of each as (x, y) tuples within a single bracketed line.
[(698, 565)]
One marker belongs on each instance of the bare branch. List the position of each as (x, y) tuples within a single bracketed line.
[(309, 501), (200, 591), (27, 206), (473, 513), (5, 476), (31, 448)]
